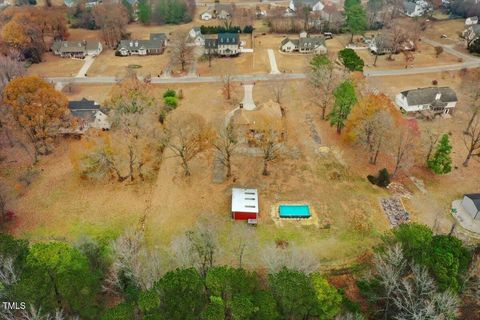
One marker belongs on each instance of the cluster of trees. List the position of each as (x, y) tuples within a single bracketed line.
[(26, 31), (419, 275), (225, 29), (166, 11), (414, 275), (465, 8), (375, 124), (67, 280)]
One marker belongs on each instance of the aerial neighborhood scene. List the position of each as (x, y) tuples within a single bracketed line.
[(239, 159)]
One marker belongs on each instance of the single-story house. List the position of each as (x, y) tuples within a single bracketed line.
[(223, 11), (196, 37), (471, 33), (304, 44), (436, 99), (471, 21), (245, 204), (289, 45), (140, 47), (471, 204), (77, 49), (207, 15), (159, 37), (413, 9), (88, 114), (314, 5), (226, 44), (382, 44)]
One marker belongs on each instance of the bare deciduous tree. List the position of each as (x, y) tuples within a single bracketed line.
[(186, 136), (472, 142), (245, 242), (132, 259), (292, 257), (429, 140), (373, 132), (402, 147), (10, 68), (198, 247), (323, 81), (471, 87), (225, 144), (269, 142), (181, 52)]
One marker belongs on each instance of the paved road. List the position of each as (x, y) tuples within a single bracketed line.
[(469, 62), (187, 79)]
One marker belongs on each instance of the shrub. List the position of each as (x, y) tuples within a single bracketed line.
[(435, 82), (169, 93), (475, 46), (381, 180), (170, 102)]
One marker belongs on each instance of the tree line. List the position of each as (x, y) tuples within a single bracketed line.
[(414, 275)]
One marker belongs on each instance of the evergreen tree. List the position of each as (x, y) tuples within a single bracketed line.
[(144, 11), (441, 161), (345, 98)]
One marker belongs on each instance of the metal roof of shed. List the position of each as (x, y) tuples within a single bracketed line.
[(244, 200)]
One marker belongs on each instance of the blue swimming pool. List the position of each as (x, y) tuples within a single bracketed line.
[(294, 211)]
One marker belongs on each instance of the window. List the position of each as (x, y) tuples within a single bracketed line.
[(250, 207)]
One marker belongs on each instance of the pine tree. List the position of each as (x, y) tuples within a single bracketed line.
[(441, 161)]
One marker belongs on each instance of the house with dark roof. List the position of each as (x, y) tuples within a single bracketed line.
[(413, 9), (142, 47), (159, 37), (77, 49), (88, 114), (471, 204), (439, 100), (226, 44), (304, 44)]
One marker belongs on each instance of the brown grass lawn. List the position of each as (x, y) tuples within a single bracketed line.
[(107, 64), (60, 205), (451, 28), (54, 66), (424, 57)]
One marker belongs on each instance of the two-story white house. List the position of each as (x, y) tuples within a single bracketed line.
[(439, 100)]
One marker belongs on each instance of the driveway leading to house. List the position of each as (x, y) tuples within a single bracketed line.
[(248, 103), (273, 62), (86, 65)]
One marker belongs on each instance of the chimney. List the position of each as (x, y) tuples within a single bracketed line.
[(438, 96)]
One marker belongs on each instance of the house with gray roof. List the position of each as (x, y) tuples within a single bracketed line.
[(88, 114), (159, 37), (439, 100), (471, 204), (314, 5), (304, 44), (226, 44), (223, 11), (412, 9), (141, 47), (77, 49)]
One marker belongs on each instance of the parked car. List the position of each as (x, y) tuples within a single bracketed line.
[(328, 35)]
